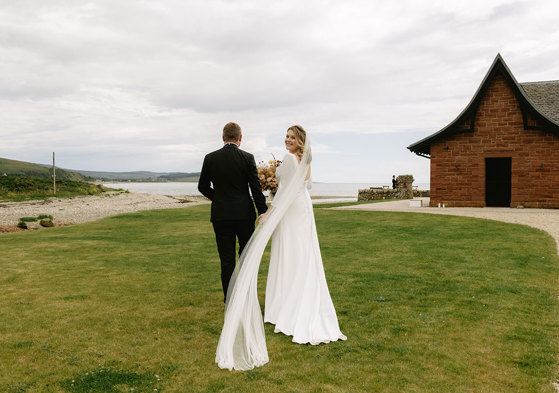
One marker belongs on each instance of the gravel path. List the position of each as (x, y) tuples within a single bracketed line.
[(90, 208), (545, 219)]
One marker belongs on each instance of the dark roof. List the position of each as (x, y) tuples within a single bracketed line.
[(540, 99), (545, 96)]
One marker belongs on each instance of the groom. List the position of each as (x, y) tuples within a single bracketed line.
[(231, 171)]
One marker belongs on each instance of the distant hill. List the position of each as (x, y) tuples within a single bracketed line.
[(181, 176), (22, 168), (141, 176)]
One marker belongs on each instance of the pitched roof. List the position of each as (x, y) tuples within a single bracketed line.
[(541, 99), (545, 96)]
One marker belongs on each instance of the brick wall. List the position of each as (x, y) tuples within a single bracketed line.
[(458, 162)]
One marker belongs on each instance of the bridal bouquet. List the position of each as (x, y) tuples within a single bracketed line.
[(267, 175)]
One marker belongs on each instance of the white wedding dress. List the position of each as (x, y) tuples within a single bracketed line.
[(297, 298), (297, 301)]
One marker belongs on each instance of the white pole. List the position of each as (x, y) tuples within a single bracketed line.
[(53, 174)]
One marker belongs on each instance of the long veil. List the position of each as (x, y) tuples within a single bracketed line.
[(242, 344)]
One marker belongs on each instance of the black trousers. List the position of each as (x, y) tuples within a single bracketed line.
[(226, 234)]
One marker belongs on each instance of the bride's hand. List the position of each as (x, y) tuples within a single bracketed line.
[(264, 217)]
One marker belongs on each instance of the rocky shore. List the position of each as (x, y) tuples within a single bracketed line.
[(89, 208)]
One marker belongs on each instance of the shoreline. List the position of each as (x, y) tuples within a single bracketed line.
[(78, 210)]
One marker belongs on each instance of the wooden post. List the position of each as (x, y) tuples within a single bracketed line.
[(53, 174)]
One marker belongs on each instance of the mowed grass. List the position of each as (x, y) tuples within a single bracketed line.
[(133, 303)]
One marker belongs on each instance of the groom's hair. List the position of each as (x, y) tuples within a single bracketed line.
[(231, 132)]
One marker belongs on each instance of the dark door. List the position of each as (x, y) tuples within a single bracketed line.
[(497, 181)]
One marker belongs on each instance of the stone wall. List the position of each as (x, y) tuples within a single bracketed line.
[(404, 191), (458, 162), (404, 187)]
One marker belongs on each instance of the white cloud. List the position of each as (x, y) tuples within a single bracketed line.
[(149, 85)]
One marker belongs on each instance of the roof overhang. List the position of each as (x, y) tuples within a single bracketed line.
[(468, 115)]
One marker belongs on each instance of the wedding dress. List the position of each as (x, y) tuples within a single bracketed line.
[(297, 298), (308, 314)]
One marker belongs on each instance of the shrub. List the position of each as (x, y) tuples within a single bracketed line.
[(45, 221), (18, 188), (29, 219)]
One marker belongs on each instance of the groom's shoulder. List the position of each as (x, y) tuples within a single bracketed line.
[(214, 153), (246, 153), (226, 153)]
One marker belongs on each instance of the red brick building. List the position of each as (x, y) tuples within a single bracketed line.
[(502, 150)]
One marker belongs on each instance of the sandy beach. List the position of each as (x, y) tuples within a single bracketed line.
[(89, 208)]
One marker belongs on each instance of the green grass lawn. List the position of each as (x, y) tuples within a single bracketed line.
[(429, 304)]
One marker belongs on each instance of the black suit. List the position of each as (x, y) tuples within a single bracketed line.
[(231, 172)]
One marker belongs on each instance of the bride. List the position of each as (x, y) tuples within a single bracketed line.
[(297, 298)]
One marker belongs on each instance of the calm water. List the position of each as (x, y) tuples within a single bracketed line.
[(344, 191)]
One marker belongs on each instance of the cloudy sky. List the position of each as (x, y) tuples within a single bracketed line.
[(148, 85)]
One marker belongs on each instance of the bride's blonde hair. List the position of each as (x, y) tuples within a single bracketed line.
[(300, 138)]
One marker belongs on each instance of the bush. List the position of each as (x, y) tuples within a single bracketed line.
[(28, 219), (45, 221), (18, 188)]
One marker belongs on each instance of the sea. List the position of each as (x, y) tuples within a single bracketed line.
[(320, 192)]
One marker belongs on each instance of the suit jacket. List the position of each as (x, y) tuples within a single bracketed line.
[(232, 172)]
